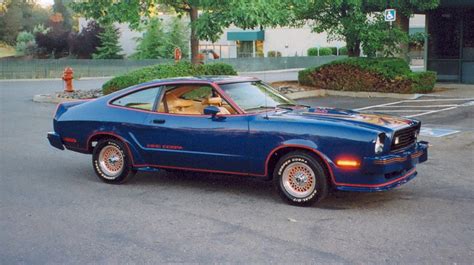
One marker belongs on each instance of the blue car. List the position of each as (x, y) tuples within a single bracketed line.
[(240, 126)]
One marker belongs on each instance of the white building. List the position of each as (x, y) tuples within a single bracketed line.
[(235, 42)]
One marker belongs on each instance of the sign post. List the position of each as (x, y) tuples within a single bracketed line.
[(390, 15)]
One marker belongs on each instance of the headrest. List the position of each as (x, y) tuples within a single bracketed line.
[(214, 101)]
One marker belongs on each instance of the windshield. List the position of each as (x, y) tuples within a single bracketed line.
[(255, 96)]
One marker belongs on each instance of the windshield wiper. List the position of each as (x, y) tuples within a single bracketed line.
[(261, 107)]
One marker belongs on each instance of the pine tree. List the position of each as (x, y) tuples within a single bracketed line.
[(109, 44), (151, 44), (176, 37)]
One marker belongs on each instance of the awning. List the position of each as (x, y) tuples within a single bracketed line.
[(247, 35)]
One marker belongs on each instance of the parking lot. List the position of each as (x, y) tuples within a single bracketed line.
[(53, 209)]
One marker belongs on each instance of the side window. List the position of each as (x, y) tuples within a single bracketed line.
[(192, 99), (198, 94), (143, 99)]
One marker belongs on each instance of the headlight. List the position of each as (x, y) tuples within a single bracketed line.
[(379, 143)]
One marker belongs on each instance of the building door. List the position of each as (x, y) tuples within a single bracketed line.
[(467, 64)]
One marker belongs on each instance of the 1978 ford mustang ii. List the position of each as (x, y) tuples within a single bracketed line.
[(241, 126)]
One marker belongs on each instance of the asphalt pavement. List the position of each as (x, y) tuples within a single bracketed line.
[(53, 209)]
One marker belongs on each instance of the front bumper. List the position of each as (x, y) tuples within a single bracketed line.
[(55, 140), (387, 172)]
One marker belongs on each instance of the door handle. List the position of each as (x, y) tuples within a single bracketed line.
[(159, 121)]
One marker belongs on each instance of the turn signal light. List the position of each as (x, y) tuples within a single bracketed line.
[(348, 163)]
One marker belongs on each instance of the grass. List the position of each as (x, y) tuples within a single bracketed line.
[(6, 51)]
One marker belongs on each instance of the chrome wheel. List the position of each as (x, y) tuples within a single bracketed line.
[(299, 180), (111, 162)]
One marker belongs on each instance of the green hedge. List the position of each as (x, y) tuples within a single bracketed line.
[(368, 74), (161, 71), (343, 51), (312, 52), (325, 51)]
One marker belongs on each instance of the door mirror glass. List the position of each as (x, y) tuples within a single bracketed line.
[(211, 110)]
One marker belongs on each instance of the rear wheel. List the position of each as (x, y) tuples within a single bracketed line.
[(111, 163), (300, 179)]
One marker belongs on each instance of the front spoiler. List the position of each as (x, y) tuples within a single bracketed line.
[(389, 171), (55, 140)]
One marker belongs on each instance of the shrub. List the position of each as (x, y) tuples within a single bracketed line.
[(273, 54), (333, 50), (313, 52), (25, 43), (324, 51), (423, 82), (343, 51), (365, 74), (304, 77), (219, 69), (161, 71)]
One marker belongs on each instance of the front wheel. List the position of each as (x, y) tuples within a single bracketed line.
[(111, 163), (300, 179)]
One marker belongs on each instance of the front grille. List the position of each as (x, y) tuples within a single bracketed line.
[(405, 137)]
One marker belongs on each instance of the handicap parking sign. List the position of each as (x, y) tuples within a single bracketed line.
[(390, 15)]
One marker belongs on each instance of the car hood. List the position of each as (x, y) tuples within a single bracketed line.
[(368, 120)]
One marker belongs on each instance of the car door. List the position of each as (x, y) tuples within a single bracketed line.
[(187, 139)]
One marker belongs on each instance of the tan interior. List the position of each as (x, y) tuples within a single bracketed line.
[(178, 105)]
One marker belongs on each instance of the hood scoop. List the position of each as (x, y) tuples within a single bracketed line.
[(350, 115)]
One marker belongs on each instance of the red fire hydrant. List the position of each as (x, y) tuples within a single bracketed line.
[(68, 75)]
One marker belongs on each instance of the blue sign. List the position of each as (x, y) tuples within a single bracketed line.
[(390, 15)]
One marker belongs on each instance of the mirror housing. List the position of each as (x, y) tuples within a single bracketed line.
[(211, 110)]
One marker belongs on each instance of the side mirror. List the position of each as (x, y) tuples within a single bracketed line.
[(211, 110)]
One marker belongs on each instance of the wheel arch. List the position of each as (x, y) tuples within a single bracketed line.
[(282, 150)]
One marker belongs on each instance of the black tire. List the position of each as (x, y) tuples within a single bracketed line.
[(300, 179), (112, 171)]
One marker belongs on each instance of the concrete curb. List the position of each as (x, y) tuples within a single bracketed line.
[(52, 79), (48, 98)]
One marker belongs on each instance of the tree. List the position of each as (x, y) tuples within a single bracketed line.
[(151, 44), (54, 41), (176, 37), (109, 44), (85, 43), (11, 22), (20, 15), (59, 7), (215, 16), (360, 22)]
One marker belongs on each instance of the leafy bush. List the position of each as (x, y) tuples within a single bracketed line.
[(333, 50), (161, 71), (313, 52), (343, 51), (366, 74), (324, 51), (273, 54), (423, 82), (25, 43), (304, 77)]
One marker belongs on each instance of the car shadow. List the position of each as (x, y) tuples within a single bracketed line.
[(260, 189)]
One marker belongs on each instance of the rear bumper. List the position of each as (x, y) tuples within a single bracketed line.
[(55, 140), (382, 173)]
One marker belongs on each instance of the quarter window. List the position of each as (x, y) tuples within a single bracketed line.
[(143, 99)]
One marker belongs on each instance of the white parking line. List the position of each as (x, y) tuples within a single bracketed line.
[(397, 107), (425, 106), (430, 112), (381, 105)]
